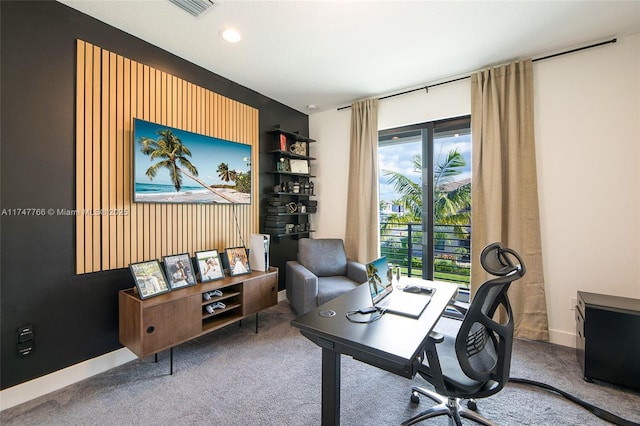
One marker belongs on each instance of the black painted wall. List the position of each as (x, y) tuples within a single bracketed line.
[(75, 316)]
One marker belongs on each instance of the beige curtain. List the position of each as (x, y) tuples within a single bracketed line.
[(362, 226), (504, 190)]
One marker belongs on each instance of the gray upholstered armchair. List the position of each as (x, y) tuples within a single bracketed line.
[(321, 273)]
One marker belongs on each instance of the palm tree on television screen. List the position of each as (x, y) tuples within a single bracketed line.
[(225, 174), (173, 157)]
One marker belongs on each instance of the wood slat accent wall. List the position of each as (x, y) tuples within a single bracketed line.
[(111, 230)]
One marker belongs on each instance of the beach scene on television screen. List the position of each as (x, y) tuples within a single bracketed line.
[(176, 166)]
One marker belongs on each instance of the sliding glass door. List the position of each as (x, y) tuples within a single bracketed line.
[(425, 199)]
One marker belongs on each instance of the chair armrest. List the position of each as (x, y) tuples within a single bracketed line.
[(431, 369), (301, 287), (356, 271), (436, 337)]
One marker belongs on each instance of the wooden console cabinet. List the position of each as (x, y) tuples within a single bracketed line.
[(608, 338), (162, 322)]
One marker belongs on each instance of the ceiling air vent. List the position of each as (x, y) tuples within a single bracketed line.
[(194, 7)]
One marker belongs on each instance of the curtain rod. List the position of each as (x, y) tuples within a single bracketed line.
[(427, 87)]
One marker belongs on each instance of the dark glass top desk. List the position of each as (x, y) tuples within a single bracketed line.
[(393, 343)]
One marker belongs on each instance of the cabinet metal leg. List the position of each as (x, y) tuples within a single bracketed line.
[(171, 361), (256, 323)]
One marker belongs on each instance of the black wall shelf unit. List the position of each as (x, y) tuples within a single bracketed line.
[(289, 204)]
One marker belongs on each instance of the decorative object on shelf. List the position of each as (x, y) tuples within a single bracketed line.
[(275, 225), (311, 206), (299, 166), (290, 228), (238, 261), (209, 265), (298, 148), (179, 270), (296, 187), (275, 222), (302, 208), (281, 165), (311, 186), (292, 207), (276, 209), (149, 278), (283, 143)]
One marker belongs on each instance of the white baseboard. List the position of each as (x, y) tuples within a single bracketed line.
[(562, 338), (57, 380)]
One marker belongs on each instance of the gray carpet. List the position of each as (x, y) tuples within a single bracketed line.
[(236, 377)]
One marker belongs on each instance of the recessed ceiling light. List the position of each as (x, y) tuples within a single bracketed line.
[(312, 106), (231, 35)]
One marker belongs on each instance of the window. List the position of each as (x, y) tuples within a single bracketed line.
[(425, 199)]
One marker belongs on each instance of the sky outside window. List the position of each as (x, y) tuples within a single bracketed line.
[(399, 157)]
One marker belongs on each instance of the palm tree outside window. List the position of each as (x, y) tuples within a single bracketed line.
[(425, 199)]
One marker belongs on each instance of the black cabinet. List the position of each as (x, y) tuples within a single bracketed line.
[(608, 338), (290, 201)]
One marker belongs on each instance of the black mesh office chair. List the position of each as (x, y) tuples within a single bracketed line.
[(475, 362)]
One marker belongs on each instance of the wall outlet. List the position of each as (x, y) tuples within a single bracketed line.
[(574, 302)]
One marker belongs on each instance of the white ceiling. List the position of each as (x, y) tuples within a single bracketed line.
[(331, 53)]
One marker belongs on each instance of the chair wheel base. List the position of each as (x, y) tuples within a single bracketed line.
[(445, 406)]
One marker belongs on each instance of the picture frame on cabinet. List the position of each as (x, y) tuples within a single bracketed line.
[(238, 261), (149, 278), (209, 265), (179, 271)]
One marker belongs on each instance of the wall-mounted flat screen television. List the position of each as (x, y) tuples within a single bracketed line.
[(176, 166)]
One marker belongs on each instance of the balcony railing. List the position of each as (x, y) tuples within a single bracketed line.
[(402, 244)]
